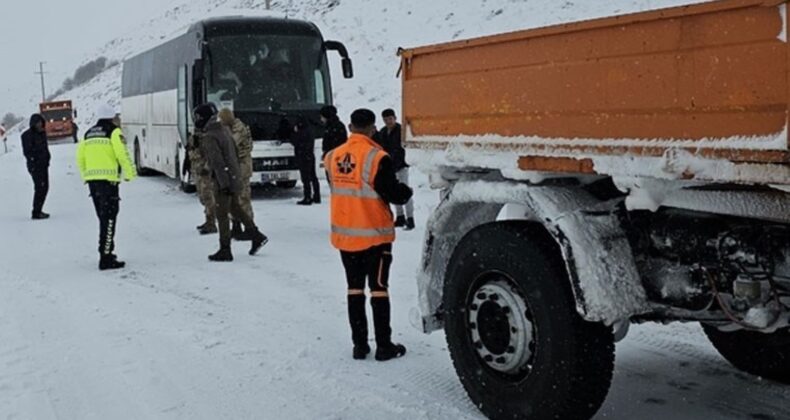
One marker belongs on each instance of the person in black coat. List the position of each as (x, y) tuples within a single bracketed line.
[(304, 150), (35, 147), (335, 132), (389, 138)]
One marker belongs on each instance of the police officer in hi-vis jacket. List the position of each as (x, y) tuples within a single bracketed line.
[(103, 161)]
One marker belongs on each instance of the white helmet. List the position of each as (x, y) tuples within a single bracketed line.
[(106, 112)]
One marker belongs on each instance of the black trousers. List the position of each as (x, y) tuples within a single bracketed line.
[(370, 267), (40, 188), (227, 205), (106, 201), (312, 189)]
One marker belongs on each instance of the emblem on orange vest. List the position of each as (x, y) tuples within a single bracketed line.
[(346, 165)]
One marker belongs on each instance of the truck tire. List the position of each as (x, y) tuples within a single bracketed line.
[(764, 355), (517, 343)]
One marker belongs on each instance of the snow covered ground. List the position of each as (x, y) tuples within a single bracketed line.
[(265, 337)]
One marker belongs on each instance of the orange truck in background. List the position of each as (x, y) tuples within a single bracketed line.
[(595, 174), (59, 116)]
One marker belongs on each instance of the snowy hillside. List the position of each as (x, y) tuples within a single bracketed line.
[(371, 29)]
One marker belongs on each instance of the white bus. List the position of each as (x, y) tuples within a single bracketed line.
[(270, 71)]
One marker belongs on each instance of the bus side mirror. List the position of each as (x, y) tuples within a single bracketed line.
[(348, 68)]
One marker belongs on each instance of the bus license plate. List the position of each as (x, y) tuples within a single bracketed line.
[(274, 176)]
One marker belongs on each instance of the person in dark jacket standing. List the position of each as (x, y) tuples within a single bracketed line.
[(304, 150), (390, 139), (219, 150), (35, 147), (363, 186), (335, 132)]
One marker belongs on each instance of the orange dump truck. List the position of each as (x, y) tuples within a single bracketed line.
[(59, 116), (595, 174)]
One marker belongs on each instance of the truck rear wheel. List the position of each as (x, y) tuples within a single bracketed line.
[(517, 343), (764, 355)]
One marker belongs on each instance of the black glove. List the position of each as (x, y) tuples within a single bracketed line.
[(204, 172), (225, 191)]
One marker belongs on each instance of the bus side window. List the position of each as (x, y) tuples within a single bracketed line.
[(320, 96)]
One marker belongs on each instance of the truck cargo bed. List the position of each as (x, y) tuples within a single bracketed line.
[(696, 92)]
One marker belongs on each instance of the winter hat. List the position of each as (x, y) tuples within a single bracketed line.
[(106, 112), (204, 113), (35, 119), (328, 112), (363, 118)]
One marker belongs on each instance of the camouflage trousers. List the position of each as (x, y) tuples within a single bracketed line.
[(205, 190), (245, 198)]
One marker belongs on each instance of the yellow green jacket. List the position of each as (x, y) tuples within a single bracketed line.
[(102, 154)]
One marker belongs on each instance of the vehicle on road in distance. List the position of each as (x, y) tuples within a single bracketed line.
[(59, 116)]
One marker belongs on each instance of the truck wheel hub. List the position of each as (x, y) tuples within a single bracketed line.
[(500, 327)]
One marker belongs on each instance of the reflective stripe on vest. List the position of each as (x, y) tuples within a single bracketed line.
[(101, 172), (365, 233)]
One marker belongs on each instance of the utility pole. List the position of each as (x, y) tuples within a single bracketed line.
[(41, 72)]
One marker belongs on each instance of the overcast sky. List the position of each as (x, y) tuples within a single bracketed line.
[(62, 33)]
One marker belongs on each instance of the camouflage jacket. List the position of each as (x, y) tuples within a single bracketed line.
[(243, 138), (197, 161)]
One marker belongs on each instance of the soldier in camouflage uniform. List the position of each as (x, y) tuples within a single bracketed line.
[(205, 185), (243, 139)]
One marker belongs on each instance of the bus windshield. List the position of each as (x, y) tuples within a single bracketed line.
[(260, 73)]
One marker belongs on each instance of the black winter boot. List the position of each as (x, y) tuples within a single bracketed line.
[(361, 352), (223, 255), (400, 222), (258, 241), (208, 230), (410, 223), (390, 351), (110, 262), (305, 202), (357, 319), (39, 215)]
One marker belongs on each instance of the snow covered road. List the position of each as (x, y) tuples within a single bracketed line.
[(265, 337)]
